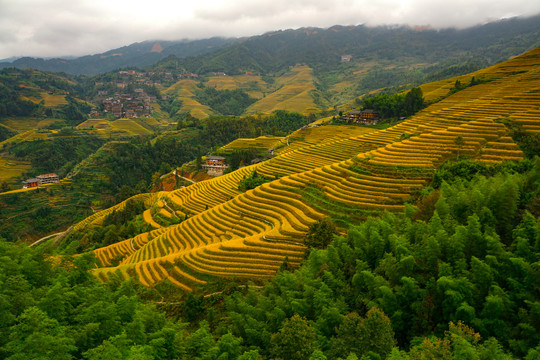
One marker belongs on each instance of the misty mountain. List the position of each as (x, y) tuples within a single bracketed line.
[(321, 49), (135, 55), (380, 57)]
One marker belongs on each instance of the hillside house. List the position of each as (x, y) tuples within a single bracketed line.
[(346, 58), (365, 117), (41, 180), (215, 165), (30, 183), (48, 178)]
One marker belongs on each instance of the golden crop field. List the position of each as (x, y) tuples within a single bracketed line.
[(292, 94), (251, 84), (337, 171), (106, 127), (260, 143), (184, 90), (29, 135), (50, 100), (10, 170), (25, 124)]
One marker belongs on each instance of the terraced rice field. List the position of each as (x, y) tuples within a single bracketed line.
[(259, 143), (50, 100), (249, 235), (293, 94), (25, 124), (184, 90), (96, 219), (10, 170), (251, 84), (29, 135), (105, 127)]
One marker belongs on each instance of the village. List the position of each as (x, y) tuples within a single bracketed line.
[(125, 97)]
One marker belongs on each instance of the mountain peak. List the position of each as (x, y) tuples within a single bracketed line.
[(157, 48)]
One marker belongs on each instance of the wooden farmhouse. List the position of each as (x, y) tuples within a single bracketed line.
[(366, 117), (215, 165), (48, 178), (30, 183)]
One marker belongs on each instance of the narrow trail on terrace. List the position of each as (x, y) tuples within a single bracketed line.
[(50, 236), (171, 210)]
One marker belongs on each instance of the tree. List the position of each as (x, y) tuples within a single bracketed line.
[(459, 142), (320, 234), (414, 101), (361, 335), (36, 336), (295, 341)]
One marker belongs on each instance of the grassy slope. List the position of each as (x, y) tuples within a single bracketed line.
[(292, 94), (184, 90), (124, 127), (252, 84)]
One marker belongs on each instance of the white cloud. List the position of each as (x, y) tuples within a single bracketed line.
[(79, 27)]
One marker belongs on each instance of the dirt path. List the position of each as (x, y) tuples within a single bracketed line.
[(50, 236), (172, 211)]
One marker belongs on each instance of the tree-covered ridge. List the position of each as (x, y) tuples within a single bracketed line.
[(451, 279)]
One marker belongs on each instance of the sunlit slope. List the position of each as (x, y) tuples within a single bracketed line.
[(251, 84), (259, 143), (119, 127), (293, 93), (250, 234), (49, 100), (25, 124), (184, 90), (11, 169)]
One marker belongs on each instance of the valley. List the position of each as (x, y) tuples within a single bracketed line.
[(343, 193)]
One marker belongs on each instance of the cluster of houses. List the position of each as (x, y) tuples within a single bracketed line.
[(364, 117), (134, 105), (41, 180)]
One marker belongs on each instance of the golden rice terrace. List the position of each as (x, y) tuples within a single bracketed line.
[(229, 233)]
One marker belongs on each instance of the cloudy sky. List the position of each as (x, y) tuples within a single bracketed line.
[(47, 28)]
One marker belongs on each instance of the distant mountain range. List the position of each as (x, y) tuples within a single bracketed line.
[(135, 55), (318, 48)]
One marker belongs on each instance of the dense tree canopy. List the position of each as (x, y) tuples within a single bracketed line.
[(457, 282), (396, 105)]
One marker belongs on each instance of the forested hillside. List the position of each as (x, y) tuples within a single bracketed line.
[(452, 279)]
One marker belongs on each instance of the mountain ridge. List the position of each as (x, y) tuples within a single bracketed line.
[(354, 40)]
